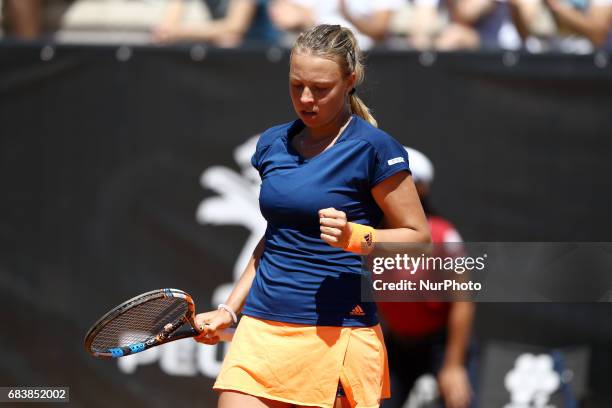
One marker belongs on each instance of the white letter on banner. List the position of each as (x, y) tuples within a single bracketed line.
[(207, 359), (177, 358)]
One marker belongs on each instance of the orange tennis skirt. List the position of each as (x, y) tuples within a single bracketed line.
[(303, 365)]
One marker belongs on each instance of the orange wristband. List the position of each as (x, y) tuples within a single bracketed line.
[(361, 240)]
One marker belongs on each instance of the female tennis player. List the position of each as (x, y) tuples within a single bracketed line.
[(332, 186)]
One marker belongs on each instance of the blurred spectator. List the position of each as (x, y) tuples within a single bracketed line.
[(577, 25), (479, 24), (416, 23), (22, 18), (430, 337), (419, 22), (92, 20), (427, 20), (370, 20), (244, 20)]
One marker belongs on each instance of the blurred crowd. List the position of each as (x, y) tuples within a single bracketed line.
[(573, 26)]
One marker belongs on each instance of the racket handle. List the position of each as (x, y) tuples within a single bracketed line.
[(226, 334)]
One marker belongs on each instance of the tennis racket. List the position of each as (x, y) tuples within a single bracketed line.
[(146, 321)]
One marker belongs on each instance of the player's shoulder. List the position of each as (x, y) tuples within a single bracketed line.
[(384, 149), (274, 133), (372, 135)]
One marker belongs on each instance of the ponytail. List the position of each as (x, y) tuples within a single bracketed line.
[(359, 108)]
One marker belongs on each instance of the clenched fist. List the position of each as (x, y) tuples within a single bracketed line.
[(335, 229)]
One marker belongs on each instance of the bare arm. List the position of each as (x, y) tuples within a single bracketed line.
[(375, 25), (233, 26), (173, 13), (594, 24), (453, 378), (239, 294), (404, 218), (24, 18), (290, 16), (220, 319), (469, 11), (459, 329), (424, 24), (524, 13)]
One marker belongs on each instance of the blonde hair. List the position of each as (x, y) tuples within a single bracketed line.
[(339, 44)]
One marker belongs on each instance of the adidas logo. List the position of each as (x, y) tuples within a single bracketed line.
[(357, 311), (368, 239)]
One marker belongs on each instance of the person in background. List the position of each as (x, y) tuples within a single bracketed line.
[(481, 24), (23, 18), (96, 21), (461, 32), (244, 21), (370, 20), (580, 25), (427, 19), (430, 337)]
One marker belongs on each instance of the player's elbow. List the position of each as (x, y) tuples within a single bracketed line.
[(422, 242), (426, 237), (422, 236)]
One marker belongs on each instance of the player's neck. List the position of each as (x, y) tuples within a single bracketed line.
[(330, 130)]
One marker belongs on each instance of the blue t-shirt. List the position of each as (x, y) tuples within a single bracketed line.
[(300, 278)]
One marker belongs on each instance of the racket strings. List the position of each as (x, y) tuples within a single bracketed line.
[(139, 323)]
